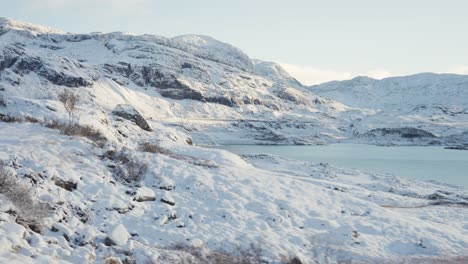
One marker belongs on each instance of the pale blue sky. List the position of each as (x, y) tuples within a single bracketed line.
[(315, 40)]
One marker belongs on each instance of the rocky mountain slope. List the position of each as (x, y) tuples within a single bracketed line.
[(433, 106), (119, 180)]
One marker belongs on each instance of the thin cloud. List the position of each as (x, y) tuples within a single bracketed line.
[(311, 76), (460, 70), (117, 7), (378, 74)]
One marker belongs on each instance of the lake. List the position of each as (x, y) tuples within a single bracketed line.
[(424, 163)]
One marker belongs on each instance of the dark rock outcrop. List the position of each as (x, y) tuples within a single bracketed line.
[(402, 132), (26, 65), (67, 185), (8, 57), (457, 141), (66, 74), (165, 83), (130, 113)]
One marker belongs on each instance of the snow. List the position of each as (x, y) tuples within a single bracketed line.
[(24, 26), (144, 193), (433, 102), (118, 235), (217, 50), (265, 199), (209, 198)]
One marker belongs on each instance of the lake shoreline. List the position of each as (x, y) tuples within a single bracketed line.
[(426, 163)]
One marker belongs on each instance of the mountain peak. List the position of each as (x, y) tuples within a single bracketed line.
[(216, 49), (11, 24), (363, 79), (273, 71)]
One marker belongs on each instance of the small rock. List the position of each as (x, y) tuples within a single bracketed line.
[(144, 194), (168, 200), (67, 185), (197, 243), (51, 108)]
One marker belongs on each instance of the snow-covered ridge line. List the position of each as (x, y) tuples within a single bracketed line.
[(202, 46), (430, 88), (6, 23)]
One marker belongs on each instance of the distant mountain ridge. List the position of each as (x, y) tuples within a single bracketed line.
[(404, 91)]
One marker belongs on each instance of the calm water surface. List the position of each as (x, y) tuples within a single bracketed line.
[(425, 163)]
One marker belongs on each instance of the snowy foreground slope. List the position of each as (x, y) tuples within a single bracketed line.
[(128, 185), (317, 213)]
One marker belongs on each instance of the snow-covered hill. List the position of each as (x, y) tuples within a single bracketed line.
[(436, 103), (124, 182), (190, 77), (395, 93)]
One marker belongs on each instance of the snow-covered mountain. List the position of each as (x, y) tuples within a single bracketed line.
[(408, 92), (191, 77), (190, 80), (435, 103), (124, 182)]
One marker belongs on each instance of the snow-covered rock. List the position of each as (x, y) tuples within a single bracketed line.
[(118, 235), (144, 194)]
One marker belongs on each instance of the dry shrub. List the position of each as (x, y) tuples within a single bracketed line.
[(84, 131), (112, 260), (249, 255), (75, 129), (128, 168), (153, 148), (54, 124), (3, 101), (29, 212), (9, 119), (31, 119), (291, 260), (69, 100)]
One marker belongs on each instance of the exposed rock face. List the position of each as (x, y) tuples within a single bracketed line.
[(403, 132), (458, 141), (130, 113), (165, 83), (8, 57), (68, 72)]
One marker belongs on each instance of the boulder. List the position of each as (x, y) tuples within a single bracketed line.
[(144, 194), (117, 236), (130, 113)]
